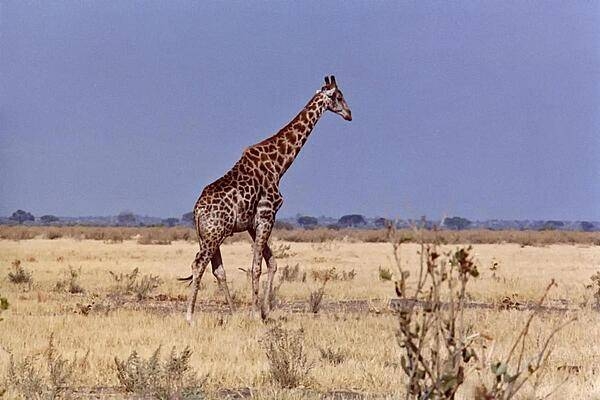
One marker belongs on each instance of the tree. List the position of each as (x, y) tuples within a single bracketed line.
[(552, 225), (21, 216), (126, 218), (351, 220), (307, 222), (170, 222), (587, 226), (382, 222), (456, 223), (188, 218), (48, 219)]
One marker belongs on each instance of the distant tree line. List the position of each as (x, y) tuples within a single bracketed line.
[(358, 221)]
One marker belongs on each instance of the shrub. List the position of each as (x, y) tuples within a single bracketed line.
[(315, 299), (52, 379), (385, 274), (332, 356), (288, 364), (508, 374), (145, 286), (167, 379), (70, 282), (132, 283), (291, 274), (3, 306), (19, 274), (439, 348), (151, 237), (123, 283), (282, 251), (595, 287), (332, 274), (54, 234), (270, 298)]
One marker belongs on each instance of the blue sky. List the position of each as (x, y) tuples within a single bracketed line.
[(472, 108)]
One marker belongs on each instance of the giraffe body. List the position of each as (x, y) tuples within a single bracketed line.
[(247, 197)]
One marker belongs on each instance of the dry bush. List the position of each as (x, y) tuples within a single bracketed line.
[(168, 379), (145, 286), (133, 283), (19, 274), (594, 288), (436, 344), (3, 306), (288, 363), (44, 376), (333, 356), (332, 274), (270, 298), (155, 236), (54, 234), (292, 274), (282, 250), (114, 236), (315, 299), (17, 232), (70, 282), (384, 274), (439, 348), (502, 377)]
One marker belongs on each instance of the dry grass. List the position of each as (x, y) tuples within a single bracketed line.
[(228, 348), (166, 235)]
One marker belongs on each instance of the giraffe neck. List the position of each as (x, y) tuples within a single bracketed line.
[(290, 139)]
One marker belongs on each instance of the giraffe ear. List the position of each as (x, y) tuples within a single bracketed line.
[(327, 80)]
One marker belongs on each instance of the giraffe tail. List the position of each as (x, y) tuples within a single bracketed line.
[(186, 279)]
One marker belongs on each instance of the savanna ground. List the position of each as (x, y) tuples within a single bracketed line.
[(350, 342)]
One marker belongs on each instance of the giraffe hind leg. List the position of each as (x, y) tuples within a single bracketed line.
[(198, 267), (219, 273)]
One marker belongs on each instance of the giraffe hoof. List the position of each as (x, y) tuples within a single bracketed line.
[(189, 320)]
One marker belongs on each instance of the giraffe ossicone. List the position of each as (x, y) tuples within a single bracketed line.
[(247, 198)]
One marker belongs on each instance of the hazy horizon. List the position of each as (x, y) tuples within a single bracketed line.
[(473, 109)]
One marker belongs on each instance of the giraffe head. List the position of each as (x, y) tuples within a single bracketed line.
[(335, 99)]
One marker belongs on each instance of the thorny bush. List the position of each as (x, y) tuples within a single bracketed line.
[(439, 348)]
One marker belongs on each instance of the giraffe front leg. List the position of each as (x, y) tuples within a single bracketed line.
[(262, 233)]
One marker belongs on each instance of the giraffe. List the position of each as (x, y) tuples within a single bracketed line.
[(247, 198)]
